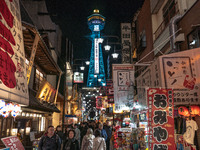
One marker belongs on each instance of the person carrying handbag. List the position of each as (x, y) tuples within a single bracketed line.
[(99, 142)]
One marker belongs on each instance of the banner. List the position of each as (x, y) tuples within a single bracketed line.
[(161, 119), (99, 102), (13, 143), (13, 78), (126, 42), (110, 91), (123, 82)]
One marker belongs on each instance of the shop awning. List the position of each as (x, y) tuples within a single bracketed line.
[(43, 56), (35, 104)]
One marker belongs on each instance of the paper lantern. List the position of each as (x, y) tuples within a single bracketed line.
[(2, 104), (183, 111), (4, 112), (194, 110), (16, 110)]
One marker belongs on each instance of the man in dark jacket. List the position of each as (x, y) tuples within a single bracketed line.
[(50, 140), (108, 130)]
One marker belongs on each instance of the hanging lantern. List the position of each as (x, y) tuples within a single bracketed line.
[(4, 112), (10, 107), (183, 111), (2, 104), (194, 110), (16, 110)]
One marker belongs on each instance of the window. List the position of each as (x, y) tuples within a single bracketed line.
[(39, 76), (169, 11), (193, 39)]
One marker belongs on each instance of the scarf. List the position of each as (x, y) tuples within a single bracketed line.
[(68, 144)]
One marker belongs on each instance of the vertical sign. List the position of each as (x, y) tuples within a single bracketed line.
[(13, 79), (161, 119), (110, 91), (33, 52), (96, 56), (123, 78), (126, 42)]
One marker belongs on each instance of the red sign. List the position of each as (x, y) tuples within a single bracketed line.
[(13, 143), (161, 119), (99, 102), (110, 91)]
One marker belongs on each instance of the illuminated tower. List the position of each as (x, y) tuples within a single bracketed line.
[(96, 74)]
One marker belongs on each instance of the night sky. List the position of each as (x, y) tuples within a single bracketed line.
[(71, 16)]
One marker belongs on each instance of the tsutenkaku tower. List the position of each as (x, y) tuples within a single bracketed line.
[(96, 74)]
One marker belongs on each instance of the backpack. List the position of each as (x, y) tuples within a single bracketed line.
[(89, 143), (45, 138)]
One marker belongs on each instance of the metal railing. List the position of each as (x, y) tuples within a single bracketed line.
[(174, 10)]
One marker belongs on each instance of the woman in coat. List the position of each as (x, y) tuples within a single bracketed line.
[(98, 142), (87, 142), (71, 143)]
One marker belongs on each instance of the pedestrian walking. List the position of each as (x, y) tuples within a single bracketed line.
[(98, 142), (108, 130), (103, 132), (50, 140), (71, 143), (78, 133), (60, 133), (87, 142)]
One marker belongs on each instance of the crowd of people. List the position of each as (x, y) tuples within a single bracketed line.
[(86, 136)]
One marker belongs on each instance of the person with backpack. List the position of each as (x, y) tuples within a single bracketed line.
[(50, 140), (87, 142), (98, 142), (71, 143)]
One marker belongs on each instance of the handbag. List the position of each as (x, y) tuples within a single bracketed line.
[(99, 145)]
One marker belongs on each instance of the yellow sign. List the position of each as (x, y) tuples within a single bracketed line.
[(116, 112), (46, 92)]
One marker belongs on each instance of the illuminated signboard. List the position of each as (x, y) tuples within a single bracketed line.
[(96, 56), (78, 77)]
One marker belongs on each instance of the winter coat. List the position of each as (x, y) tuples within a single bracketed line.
[(49, 143), (74, 145), (104, 134), (87, 142), (108, 130), (99, 143)]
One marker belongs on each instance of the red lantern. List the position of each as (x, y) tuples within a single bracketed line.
[(194, 110), (183, 111)]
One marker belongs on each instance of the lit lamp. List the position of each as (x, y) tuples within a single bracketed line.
[(95, 75), (103, 84), (99, 80), (107, 47), (100, 40), (82, 68), (115, 55), (87, 62)]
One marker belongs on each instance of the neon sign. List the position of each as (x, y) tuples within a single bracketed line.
[(96, 56)]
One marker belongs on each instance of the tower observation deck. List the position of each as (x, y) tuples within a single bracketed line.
[(96, 74)]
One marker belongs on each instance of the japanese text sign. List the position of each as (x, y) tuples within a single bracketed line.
[(13, 79), (46, 92), (126, 42), (99, 102), (161, 119), (123, 82), (13, 143)]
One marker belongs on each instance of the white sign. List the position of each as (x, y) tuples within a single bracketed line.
[(178, 71), (123, 82), (78, 77), (13, 78), (126, 42), (96, 56)]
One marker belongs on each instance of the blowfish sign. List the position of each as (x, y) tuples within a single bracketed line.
[(12, 61), (160, 120)]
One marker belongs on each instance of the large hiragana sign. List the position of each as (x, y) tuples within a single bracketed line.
[(160, 119)]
